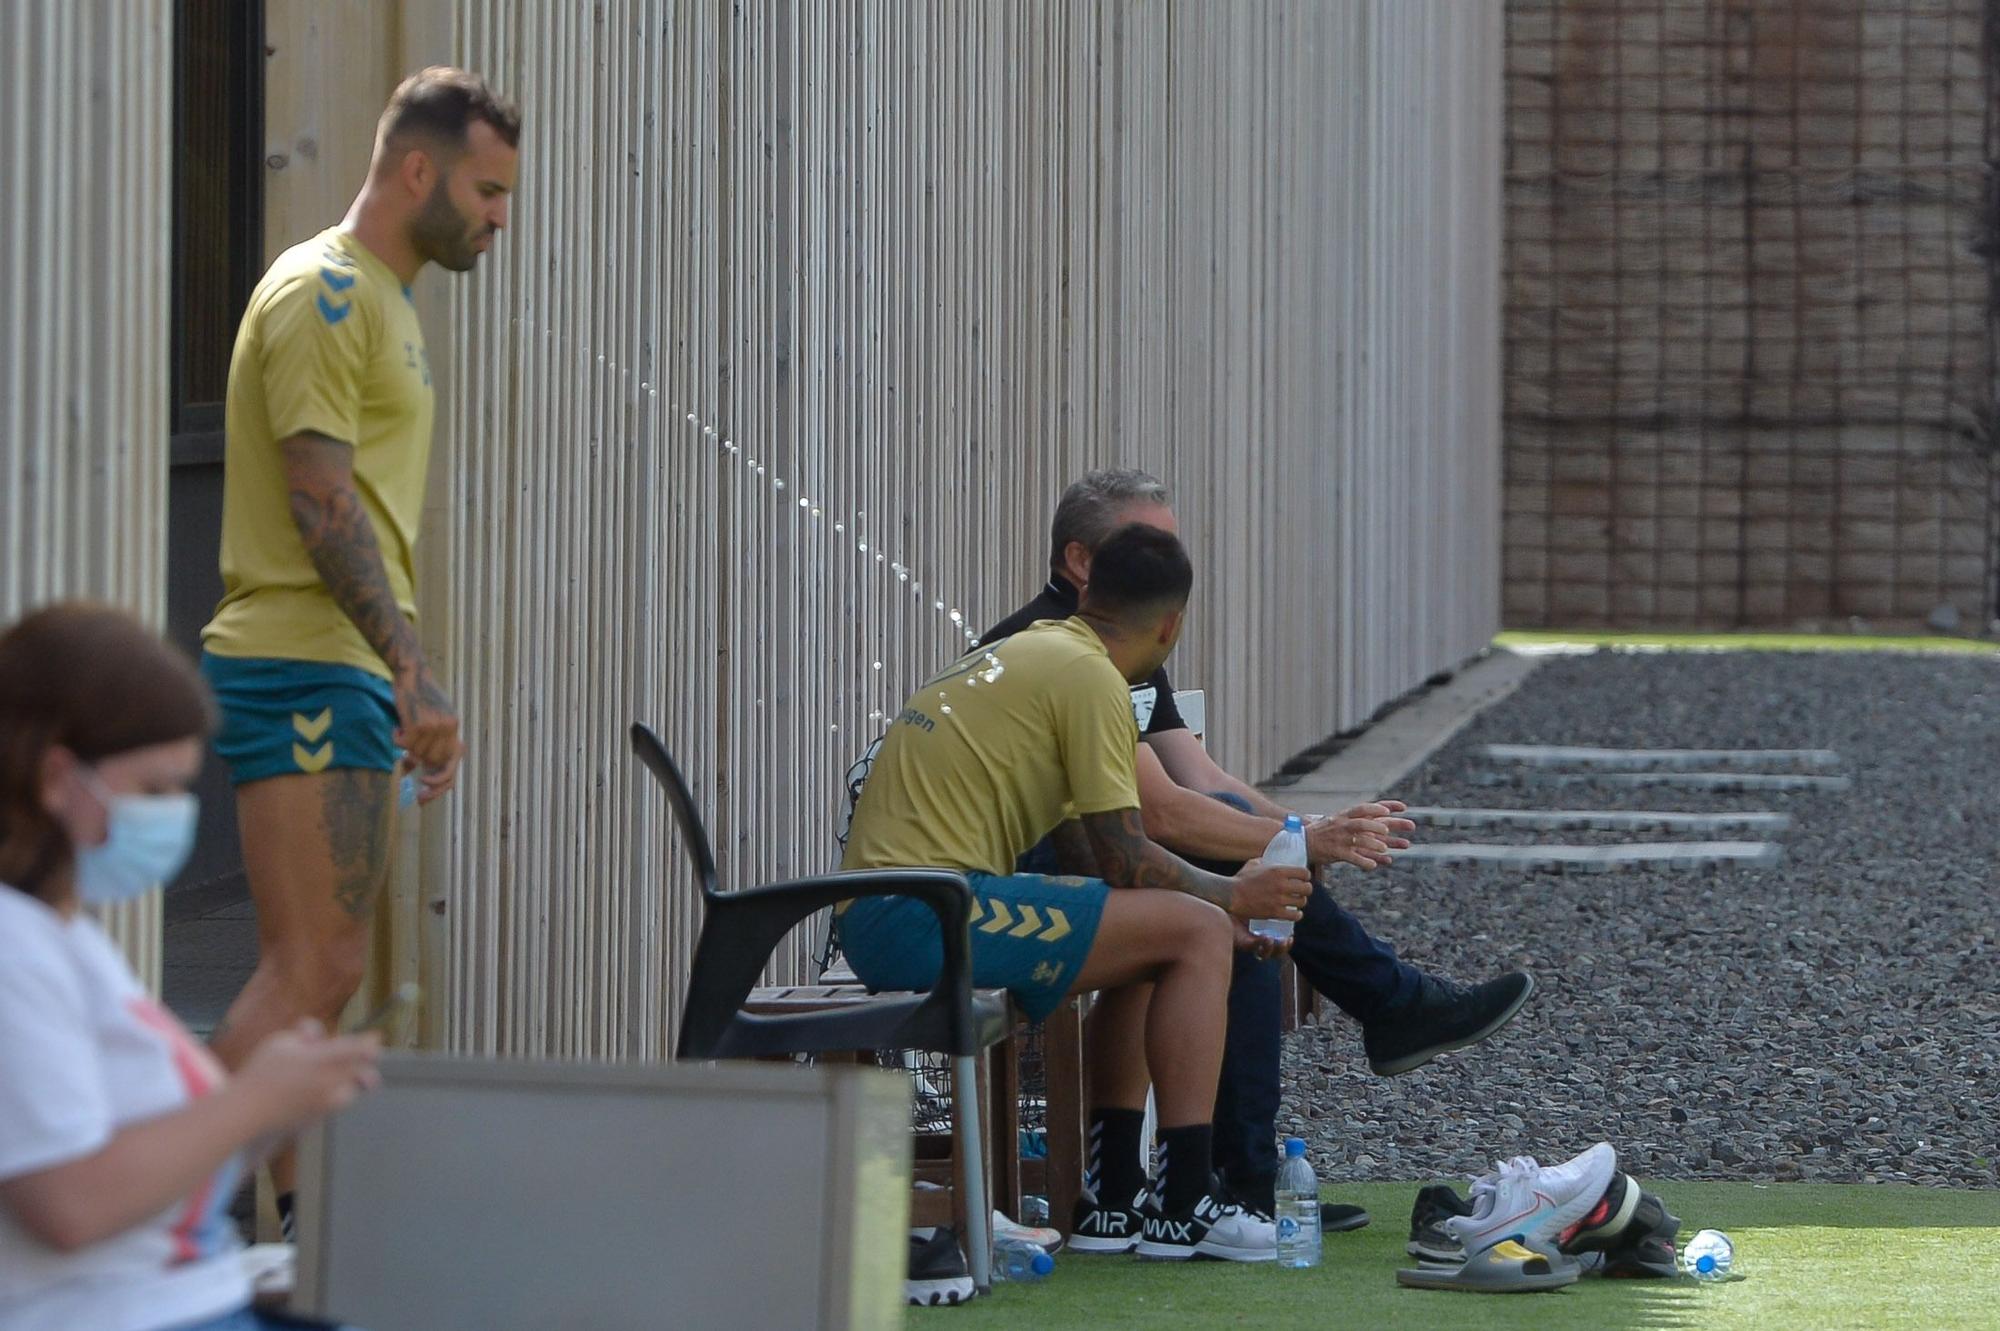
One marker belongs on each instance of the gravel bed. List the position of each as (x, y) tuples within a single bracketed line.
[(1834, 1019)]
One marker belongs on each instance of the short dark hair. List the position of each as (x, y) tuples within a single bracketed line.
[(1088, 510), (1139, 570), (441, 103), (98, 682)]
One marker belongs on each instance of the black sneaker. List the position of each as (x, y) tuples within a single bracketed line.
[(1430, 1241), (1443, 1016), (1653, 1257), (1631, 1231), (938, 1276), (1102, 1228), (1340, 1218), (1210, 1228), (1606, 1225)]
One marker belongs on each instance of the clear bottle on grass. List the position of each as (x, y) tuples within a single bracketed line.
[(1019, 1261), (1286, 848), (1709, 1255), (1298, 1208)]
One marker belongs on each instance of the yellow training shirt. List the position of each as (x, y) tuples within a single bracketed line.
[(990, 756), (330, 344)]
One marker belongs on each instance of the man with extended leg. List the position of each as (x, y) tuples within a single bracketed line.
[(1197, 809), (313, 652)]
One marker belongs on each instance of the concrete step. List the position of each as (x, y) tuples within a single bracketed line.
[(1647, 760), (1602, 820), (1686, 856), (1725, 781)]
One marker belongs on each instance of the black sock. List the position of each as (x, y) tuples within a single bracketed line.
[(286, 1228), (1184, 1166), (1112, 1170)]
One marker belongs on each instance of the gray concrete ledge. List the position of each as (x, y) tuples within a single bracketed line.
[(1727, 781), (1689, 856), (1388, 750), (1602, 820), (1647, 760)]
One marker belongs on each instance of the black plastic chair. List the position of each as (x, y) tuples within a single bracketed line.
[(740, 930)]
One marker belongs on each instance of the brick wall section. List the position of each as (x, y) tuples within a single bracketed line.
[(1749, 363)]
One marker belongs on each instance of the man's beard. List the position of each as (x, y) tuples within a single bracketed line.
[(440, 233)]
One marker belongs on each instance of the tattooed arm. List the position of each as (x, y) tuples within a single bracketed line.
[(1073, 850), (340, 540), (1127, 858)]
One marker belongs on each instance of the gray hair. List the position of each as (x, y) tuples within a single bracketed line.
[(1089, 508)]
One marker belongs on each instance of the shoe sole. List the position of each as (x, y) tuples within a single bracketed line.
[(1104, 1247), (1454, 1278), (938, 1293), (1412, 1061), (1606, 1234), (1438, 1255), (1346, 1225), (1173, 1252)]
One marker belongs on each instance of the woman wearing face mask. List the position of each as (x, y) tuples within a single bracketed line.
[(121, 1142)]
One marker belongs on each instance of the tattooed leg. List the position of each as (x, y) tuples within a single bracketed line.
[(316, 850)]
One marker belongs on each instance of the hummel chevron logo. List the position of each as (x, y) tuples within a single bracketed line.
[(312, 760), (335, 281), (312, 729), (1046, 924), (331, 312)]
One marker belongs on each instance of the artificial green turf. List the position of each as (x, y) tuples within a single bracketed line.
[(1813, 1255), (1750, 642)]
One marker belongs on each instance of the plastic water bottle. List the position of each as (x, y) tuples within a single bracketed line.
[(1709, 1255), (1019, 1261), (1289, 848), (406, 789), (1298, 1208)]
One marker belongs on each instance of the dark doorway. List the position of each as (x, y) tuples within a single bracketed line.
[(211, 941)]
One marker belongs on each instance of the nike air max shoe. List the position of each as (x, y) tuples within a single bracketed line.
[(1534, 1204)]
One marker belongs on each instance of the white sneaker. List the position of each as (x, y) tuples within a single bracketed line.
[(1533, 1204), (1048, 1240), (1212, 1229)]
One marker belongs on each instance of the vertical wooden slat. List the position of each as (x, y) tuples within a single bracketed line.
[(84, 323)]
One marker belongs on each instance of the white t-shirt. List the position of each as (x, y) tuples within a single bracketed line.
[(84, 1051)]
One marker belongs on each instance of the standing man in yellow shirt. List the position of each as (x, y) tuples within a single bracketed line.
[(313, 652)]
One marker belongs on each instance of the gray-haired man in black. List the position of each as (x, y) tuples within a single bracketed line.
[(1192, 805)]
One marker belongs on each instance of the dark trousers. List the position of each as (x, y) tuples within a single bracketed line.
[(1359, 973)]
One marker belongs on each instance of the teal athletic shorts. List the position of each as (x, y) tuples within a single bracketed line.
[(1030, 934), (285, 717)]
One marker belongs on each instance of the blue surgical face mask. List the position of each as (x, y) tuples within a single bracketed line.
[(148, 838)]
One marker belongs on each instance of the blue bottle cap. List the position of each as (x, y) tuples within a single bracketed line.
[(1294, 1147), (1294, 823), (1041, 1264)]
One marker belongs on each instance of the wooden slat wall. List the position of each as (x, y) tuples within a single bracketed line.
[(85, 209), (808, 312)]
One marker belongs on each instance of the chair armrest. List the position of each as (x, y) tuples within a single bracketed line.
[(743, 928)]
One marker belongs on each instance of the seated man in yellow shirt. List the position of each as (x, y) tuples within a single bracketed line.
[(1033, 736)]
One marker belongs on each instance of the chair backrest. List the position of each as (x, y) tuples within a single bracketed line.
[(1193, 707), (693, 835)]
